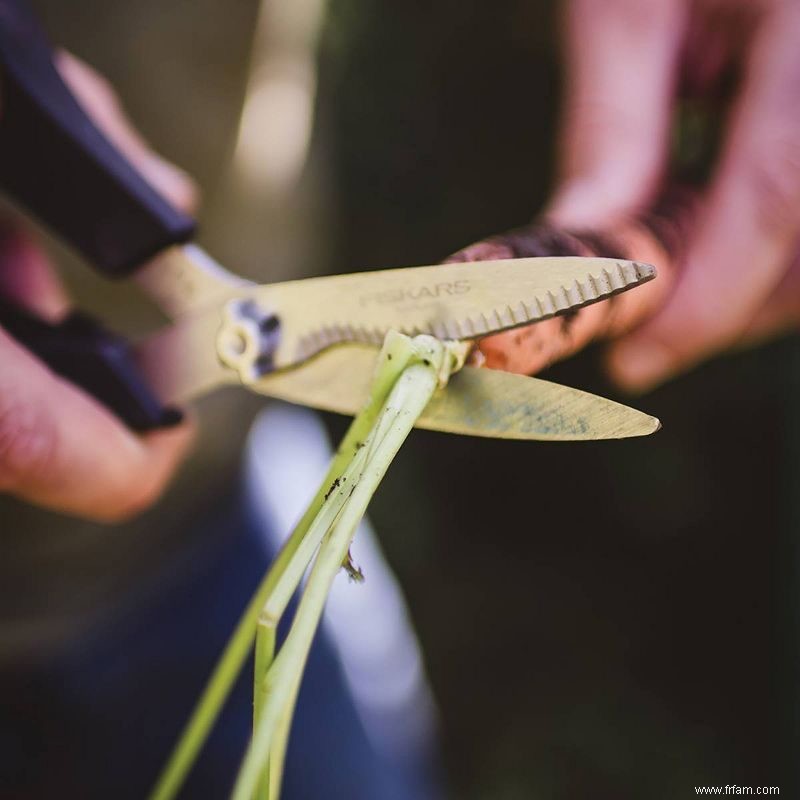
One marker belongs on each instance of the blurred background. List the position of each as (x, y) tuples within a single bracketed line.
[(614, 619)]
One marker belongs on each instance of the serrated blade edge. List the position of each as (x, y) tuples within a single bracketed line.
[(611, 277)]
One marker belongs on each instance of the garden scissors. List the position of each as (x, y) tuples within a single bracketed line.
[(311, 341)]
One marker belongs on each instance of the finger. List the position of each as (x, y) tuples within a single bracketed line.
[(621, 72), (26, 277), (100, 101), (59, 449), (745, 239), (529, 349)]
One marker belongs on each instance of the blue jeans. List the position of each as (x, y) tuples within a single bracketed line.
[(99, 720)]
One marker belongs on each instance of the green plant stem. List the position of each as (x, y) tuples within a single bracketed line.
[(293, 560), (280, 741), (264, 655), (408, 398), (394, 356)]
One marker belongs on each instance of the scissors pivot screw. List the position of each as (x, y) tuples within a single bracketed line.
[(247, 339)]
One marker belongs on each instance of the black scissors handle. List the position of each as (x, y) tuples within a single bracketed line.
[(61, 168), (84, 352), (55, 163)]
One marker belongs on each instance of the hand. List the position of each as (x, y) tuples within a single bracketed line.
[(739, 279), (59, 448)]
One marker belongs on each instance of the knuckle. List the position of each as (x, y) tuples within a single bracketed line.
[(28, 445)]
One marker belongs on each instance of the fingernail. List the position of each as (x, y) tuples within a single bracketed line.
[(640, 365)]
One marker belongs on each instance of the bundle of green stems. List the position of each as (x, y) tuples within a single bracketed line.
[(407, 374)]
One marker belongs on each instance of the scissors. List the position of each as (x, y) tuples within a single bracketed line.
[(311, 341)]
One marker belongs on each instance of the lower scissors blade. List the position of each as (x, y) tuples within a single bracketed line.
[(476, 402)]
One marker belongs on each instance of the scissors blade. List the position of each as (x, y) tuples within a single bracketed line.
[(477, 402), (449, 301)]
